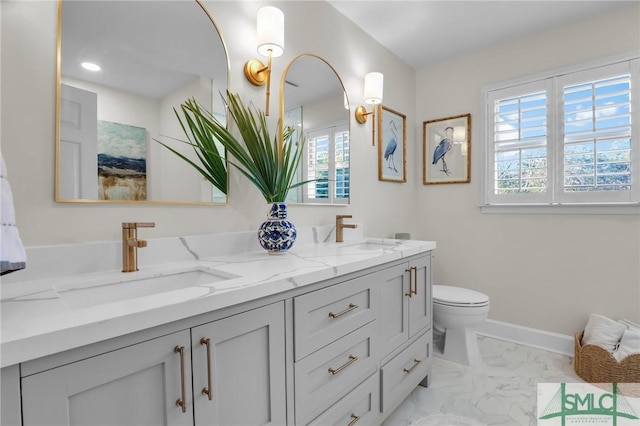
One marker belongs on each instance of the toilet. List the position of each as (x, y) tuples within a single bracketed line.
[(456, 312)]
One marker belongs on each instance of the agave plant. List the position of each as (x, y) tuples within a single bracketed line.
[(270, 166)]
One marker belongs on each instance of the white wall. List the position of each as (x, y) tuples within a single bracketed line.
[(543, 271), (28, 113)]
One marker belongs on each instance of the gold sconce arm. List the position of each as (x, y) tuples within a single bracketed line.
[(258, 74)]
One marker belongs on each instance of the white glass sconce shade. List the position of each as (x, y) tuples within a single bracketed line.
[(270, 28), (373, 88)]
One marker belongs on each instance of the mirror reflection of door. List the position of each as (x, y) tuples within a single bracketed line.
[(314, 103), (78, 143), (153, 56)]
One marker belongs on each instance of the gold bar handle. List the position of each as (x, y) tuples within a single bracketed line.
[(413, 278), (352, 359), (351, 307), (182, 402), (416, 362), (209, 389), (354, 419)]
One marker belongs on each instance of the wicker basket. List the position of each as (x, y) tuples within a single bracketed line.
[(597, 365)]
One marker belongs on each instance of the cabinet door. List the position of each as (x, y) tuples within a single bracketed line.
[(420, 300), (243, 369), (136, 385), (394, 309)]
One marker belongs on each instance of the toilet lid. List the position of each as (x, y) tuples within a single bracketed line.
[(457, 296)]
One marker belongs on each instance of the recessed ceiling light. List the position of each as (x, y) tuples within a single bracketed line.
[(90, 66)]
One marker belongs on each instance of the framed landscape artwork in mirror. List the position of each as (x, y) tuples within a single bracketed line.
[(446, 147), (122, 68)]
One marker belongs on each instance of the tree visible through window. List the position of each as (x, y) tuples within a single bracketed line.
[(565, 139)]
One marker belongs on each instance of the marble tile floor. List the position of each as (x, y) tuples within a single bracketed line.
[(500, 391)]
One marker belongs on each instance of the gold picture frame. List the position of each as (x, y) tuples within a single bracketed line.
[(446, 147), (392, 145)]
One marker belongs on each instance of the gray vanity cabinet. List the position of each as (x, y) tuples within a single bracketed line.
[(242, 364), (405, 327), (405, 302), (135, 385), (141, 384)]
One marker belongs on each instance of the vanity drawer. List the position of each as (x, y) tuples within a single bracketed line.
[(405, 371), (361, 406), (323, 316), (327, 375)]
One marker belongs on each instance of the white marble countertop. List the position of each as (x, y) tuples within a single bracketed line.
[(47, 313)]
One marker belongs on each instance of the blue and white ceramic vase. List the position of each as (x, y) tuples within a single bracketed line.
[(277, 234)]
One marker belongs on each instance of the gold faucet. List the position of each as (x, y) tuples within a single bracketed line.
[(130, 244), (340, 226)]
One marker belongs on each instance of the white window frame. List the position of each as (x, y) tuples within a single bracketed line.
[(554, 200), (330, 131)]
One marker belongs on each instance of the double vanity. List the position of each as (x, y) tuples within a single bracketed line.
[(214, 331)]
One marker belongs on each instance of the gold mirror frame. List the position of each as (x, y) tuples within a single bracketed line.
[(58, 197), (309, 75)]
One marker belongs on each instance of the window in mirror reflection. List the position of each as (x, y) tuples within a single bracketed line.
[(325, 159), (328, 161)]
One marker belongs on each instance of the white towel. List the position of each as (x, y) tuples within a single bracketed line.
[(603, 331), (12, 254), (629, 324), (629, 344)]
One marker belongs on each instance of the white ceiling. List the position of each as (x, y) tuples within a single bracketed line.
[(425, 31)]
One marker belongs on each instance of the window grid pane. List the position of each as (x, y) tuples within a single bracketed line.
[(318, 167), (597, 135), (342, 165), (520, 138)]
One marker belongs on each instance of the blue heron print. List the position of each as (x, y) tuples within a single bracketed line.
[(390, 150), (441, 150)]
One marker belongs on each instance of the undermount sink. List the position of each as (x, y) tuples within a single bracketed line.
[(374, 245), (125, 286)]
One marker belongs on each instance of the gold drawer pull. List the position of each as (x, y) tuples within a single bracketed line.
[(354, 419), (352, 359), (182, 402), (351, 307), (415, 364), (209, 389)]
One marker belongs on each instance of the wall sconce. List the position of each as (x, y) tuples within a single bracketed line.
[(270, 29), (373, 88)]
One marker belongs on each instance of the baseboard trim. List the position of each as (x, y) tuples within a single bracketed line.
[(535, 338)]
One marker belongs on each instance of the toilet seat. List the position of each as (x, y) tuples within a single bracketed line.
[(456, 296)]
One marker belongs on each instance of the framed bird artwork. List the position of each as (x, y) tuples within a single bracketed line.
[(446, 150), (392, 145)]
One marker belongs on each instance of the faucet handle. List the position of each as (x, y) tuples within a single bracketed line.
[(146, 224), (135, 225), (344, 216)]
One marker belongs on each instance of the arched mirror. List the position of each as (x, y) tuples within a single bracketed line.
[(313, 101), (141, 59)]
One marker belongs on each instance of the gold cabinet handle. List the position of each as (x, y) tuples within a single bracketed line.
[(352, 359), (182, 402), (351, 307), (415, 364), (413, 281), (354, 419), (208, 390)]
